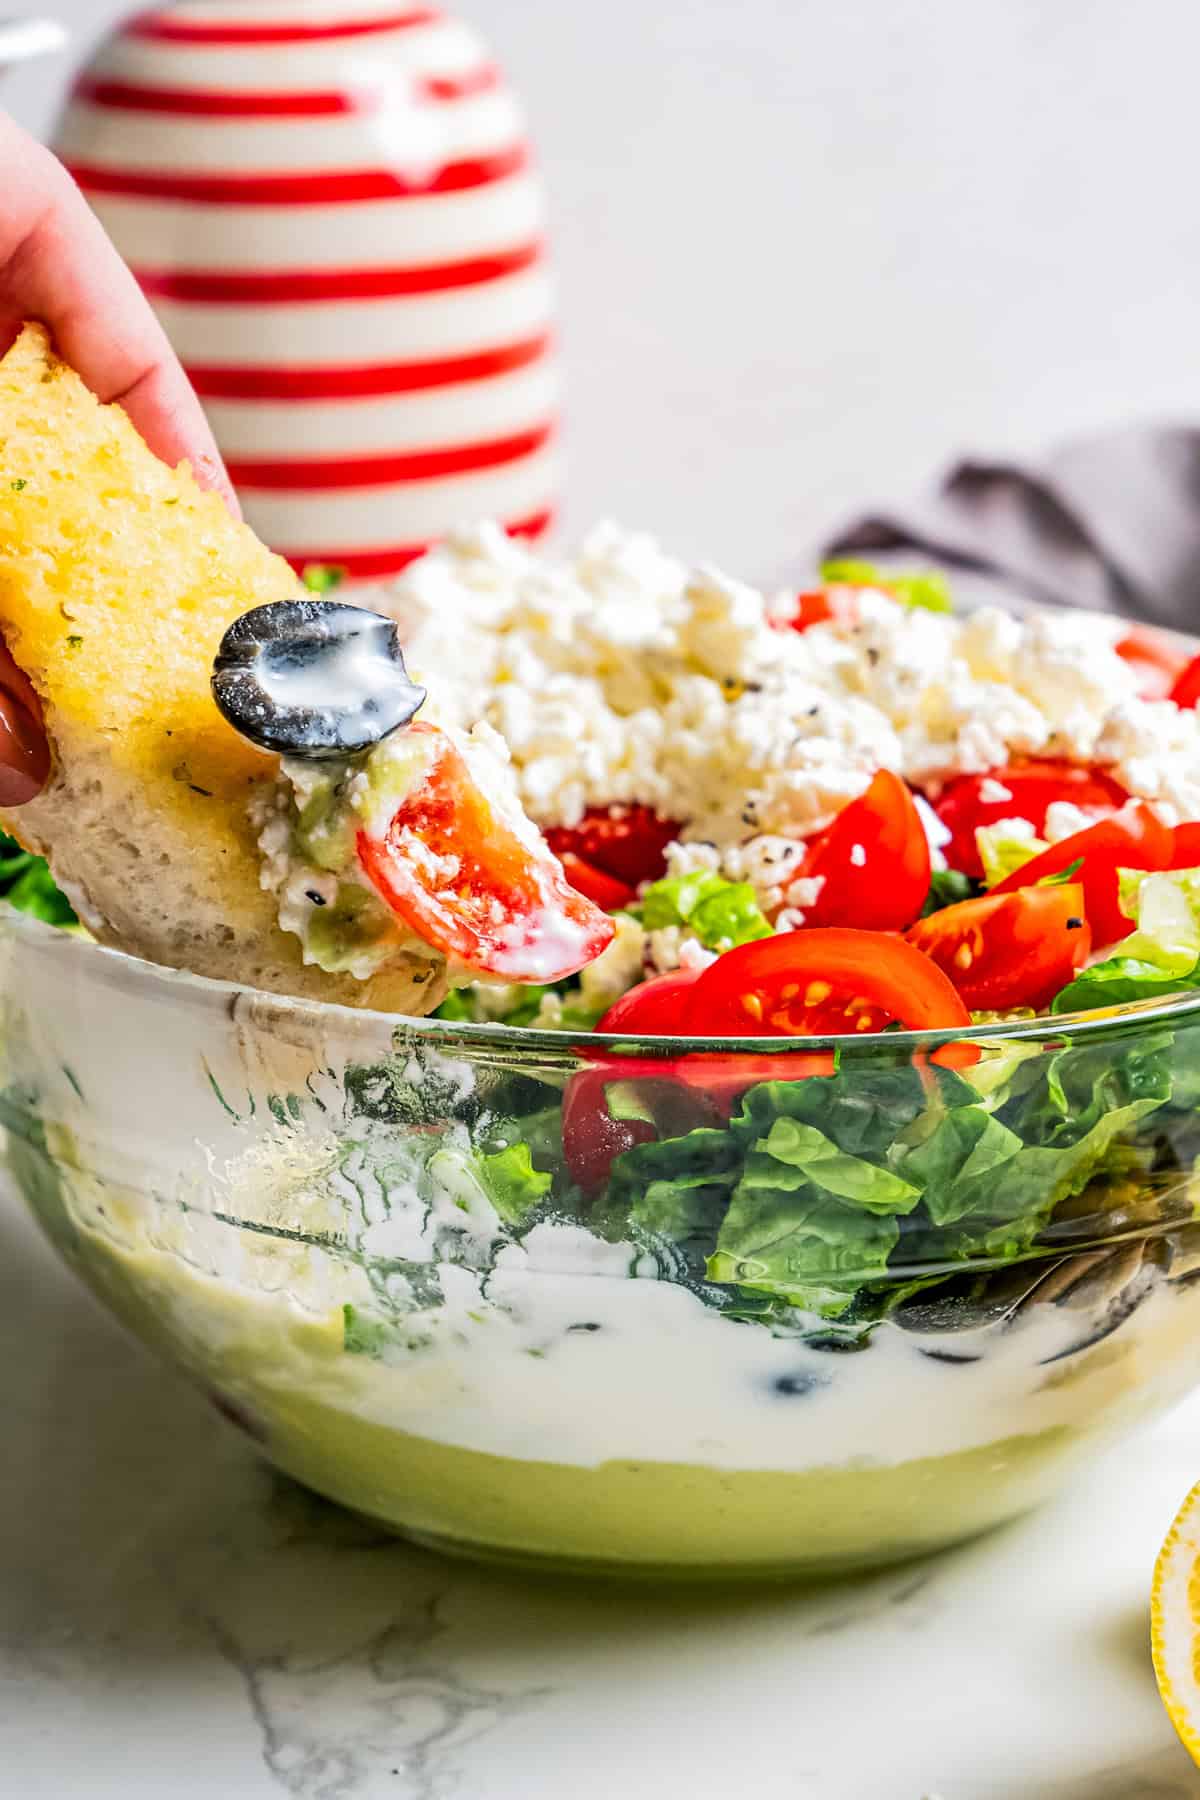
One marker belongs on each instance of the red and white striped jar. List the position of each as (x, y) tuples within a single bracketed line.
[(331, 206)]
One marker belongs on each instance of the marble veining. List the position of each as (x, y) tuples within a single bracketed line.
[(387, 1707)]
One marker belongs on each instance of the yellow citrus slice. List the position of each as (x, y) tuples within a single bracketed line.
[(1175, 1622)]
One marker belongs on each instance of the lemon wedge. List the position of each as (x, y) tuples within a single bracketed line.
[(1175, 1622)]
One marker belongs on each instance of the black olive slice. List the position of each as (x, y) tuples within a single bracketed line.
[(313, 678)]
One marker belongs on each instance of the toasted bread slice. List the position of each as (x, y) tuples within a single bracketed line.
[(118, 576)]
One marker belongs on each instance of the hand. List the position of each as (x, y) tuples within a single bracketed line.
[(57, 265)]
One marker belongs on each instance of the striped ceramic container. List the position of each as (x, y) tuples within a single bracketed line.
[(331, 206)]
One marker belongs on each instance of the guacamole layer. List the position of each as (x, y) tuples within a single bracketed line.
[(287, 1379)]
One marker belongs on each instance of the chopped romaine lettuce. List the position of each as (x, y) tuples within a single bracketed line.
[(361, 1334), (818, 1187), (1161, 957), (27, 884), (946, 888), (323, 578), (513, 1185), (721, 914), (928, 589), (1005, 847)]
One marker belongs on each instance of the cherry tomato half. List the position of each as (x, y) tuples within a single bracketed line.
[(1185, 847), (873, 861), (703, 1089), (822, 606), (653, 1008), (453, 868), (1186, 691), (628, 842), (1134, 838), (592, 1138), (724, 1078), (1029, 788), (597, 884), (1154, 660), (1004, 950), (822, 983)]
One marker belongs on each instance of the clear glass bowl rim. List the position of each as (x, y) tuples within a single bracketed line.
[(98, 963)]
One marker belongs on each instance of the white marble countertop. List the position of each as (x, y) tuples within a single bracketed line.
[(176, 1622)]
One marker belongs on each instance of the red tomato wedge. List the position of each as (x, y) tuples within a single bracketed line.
[(628, 842), (657, 1104), (1154, 660), (652, 1008), (1185, 847), (1134, 838), (821, 606), (604, 889), (873, 861), (726, 1078), (455, 870), (695, 1090), (822, 983), (1005, 950), (1029, 788), (1186, 690), (592, 1139)]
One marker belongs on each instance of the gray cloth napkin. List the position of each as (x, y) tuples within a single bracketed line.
[(1110, 521)]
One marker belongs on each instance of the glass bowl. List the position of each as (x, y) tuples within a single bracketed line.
[(784, 1310)]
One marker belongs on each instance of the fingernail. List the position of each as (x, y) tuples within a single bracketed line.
[(24, 754)]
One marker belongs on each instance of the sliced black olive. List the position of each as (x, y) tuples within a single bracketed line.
[(837, 1343), (794, 1386), (313, 678)]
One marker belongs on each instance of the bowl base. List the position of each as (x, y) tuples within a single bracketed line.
[(801, 1571)]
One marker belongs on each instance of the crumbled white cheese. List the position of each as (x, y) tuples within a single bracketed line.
[(1154, 747), (1063, 820), (1020, 830), (624, 677), (693, 955)]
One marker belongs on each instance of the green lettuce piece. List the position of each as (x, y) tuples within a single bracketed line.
[(957, 1164), (946, 888), (1119, 982), (1166, 910), (673, 1190), (27, 884), (1003, 851), (820, 1187), (863, 1111), (363, 1335), (511, 1182), (798, 1243), (686, 1213), (807, 1222), (1161, 957), (463, 1006), (722, 914), (323, 578), (928, 589), (458, 1007), (816, 1159)]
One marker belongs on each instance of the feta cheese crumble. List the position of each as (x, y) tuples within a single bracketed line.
[(625, 677)]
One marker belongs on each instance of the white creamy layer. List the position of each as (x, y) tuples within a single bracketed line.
[(585, 1369)]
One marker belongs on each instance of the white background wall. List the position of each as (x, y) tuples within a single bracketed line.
[(808, 250)]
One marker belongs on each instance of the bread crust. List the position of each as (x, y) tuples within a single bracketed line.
[(118, 577)]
